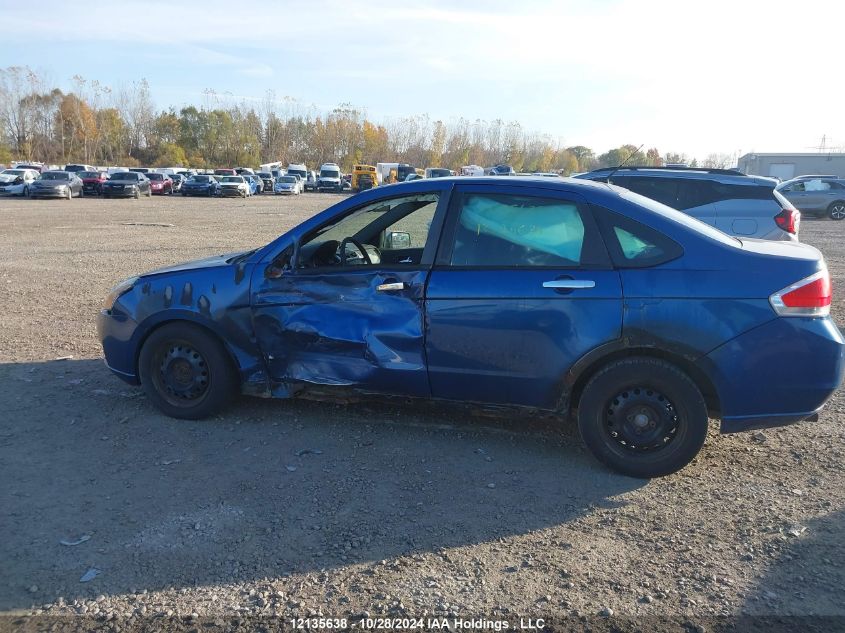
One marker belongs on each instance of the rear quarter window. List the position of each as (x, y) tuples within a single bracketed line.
[(635, 245)]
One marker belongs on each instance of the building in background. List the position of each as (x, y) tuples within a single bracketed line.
[(786, 166)]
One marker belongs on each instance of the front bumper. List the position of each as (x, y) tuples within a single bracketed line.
[(48, 193), (778, 373), (13, 190), (119, 193), (232, 193), (95, 188), (115, 330)]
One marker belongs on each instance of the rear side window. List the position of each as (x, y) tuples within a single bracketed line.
[(664, 190), (635, 245), (516, 231)]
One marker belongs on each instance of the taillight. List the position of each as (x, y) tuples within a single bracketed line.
[(809, 297), (789, 218)]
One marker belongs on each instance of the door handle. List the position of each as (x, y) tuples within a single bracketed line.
[(569, 284), (388, 287)]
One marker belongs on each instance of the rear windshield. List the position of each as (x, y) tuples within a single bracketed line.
[(676, 216)]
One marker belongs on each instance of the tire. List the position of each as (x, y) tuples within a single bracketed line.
[(836, 211), (81, 193), (642, 400), (150, 192), (186, 372), (69, 193)]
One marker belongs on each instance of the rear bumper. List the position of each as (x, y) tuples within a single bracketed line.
[(779, 373)]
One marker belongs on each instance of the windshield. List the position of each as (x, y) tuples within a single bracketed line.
[(203, 179), (155, 176), (439, 173), (124, 175), (89, 174), (14, 172), (285, 179), (233, 179), (265, 174), (329, 173), (55, 175)]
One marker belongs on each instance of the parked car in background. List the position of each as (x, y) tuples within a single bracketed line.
[(234, 186), (56, 184), (39, 167), (160, 184), (267, 179), (413, 177), (225, 171), (256, 185), (74, 168), (297, 169), (329, 178), (741, 205), (140, 170), (659, 321), (438, 172), (92, 181), (242, 171), (17, 181), (311, 180), (200, 185), (472, 170), (178, 180), (286, 185), (127, 184), (500, 170), (817, 196)]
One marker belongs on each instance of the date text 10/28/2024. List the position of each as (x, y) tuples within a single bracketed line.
[(408, 624)]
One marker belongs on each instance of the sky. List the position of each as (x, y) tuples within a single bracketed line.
[(687, 76)]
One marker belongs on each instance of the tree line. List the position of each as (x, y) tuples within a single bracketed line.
[(95, 124)]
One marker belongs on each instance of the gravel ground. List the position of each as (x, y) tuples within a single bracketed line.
[(302, 508)]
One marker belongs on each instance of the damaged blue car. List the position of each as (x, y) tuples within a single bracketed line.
[(562, 295)]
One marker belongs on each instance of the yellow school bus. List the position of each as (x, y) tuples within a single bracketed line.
[(363, 177)]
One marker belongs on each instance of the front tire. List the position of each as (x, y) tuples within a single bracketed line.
[(186, 372), (836, 211), (642, 417)]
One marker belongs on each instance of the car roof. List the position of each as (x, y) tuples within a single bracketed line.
[(686, 173)]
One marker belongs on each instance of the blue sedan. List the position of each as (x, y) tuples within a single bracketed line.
[(563, 295)]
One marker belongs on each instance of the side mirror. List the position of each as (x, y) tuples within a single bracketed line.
[(398, 239)]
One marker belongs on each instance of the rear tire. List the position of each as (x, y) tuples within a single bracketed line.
[(186, 372), (642, 417), (836, 211)]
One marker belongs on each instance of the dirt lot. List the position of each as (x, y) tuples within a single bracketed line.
[(391, 509)]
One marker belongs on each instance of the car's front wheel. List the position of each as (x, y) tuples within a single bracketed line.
[(836, 211), (643, 417), (186, 372)]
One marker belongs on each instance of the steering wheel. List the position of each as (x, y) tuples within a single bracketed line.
[(356, 244)]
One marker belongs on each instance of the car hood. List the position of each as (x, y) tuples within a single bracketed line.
[(196, 264), (50, 183)]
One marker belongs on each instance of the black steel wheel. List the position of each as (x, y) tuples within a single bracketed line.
[(643, 417), (186, 372)]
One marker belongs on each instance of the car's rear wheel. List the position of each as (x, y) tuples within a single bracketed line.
[(643, 417), (69, 193), (186, 372), (836, 211)]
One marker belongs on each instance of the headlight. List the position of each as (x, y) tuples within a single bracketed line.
[(121, 288)]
